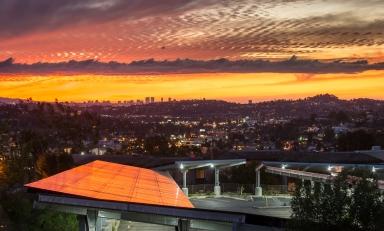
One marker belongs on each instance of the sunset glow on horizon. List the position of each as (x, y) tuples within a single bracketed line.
[(235, 87)]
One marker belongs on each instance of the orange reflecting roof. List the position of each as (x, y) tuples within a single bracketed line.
[(116, 182)]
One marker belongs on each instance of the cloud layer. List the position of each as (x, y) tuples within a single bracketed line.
[(60, 30), (151, 66), (25, 16)]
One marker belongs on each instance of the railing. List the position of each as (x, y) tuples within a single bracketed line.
[(276, 189), (238, 189), (201, 189)]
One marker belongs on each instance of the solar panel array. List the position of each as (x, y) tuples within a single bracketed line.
[(115, 182)]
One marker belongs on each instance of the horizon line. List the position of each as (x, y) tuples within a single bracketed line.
[(141, 101)]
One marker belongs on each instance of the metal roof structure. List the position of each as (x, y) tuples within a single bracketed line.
[(305, 157), (325, 165), (299, 174), (99, 191), (194, 164), (115, 182), (304, 175)]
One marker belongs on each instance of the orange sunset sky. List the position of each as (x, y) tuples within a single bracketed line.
[(124, 31)]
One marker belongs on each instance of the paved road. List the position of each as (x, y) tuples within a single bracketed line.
[(261, 206), (271, 208), (138, 226)]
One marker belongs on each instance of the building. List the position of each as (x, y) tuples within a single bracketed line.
[(100, 193), (147, 100)]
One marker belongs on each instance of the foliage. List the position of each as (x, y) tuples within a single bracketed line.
[(161, 146), (19, 208), (17, 169), (56, 221), (21, 167), (50, 164), (339, 117), (357, 140), (157, 145), (352, 202)]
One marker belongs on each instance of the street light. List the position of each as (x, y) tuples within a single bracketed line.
[(181, 166)]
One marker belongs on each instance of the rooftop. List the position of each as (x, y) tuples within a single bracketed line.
[(115, 182)]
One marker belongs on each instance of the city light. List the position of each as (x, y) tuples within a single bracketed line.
[(181, 166)]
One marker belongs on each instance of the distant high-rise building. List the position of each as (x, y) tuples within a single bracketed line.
[(152, 99), (147, 100), (169, 99), (162, 100), (250, 101)]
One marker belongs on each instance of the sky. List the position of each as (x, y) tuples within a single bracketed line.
[(325, 31)]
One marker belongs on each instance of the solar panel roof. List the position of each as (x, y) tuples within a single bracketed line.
[(115, 182)]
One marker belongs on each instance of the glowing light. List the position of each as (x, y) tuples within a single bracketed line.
[(115, 182), (237, 87)]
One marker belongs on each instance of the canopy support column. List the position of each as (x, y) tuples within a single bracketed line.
[(93, 220), (185, 189), (82, 220), (285, 183), (258, 189), (183, 225), (217, 188)]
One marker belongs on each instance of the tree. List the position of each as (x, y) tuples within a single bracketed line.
[(17, 169), (157, 145), (50, 164), (339, 117), (329, 135), (357, 140), (367, 210), (351, 202), (20, 210), (56, 221)]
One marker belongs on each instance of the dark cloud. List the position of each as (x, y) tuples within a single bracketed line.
[(293, 65), (198, 29), (21, 16)]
